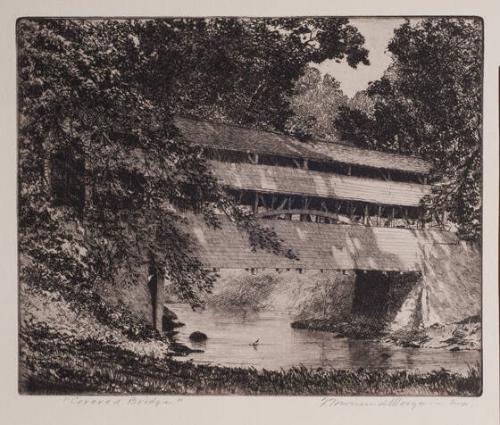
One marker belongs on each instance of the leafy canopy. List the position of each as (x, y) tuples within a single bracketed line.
[(100, 95), (429, 103), (316, 102)]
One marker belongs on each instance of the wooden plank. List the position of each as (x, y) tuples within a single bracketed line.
[(321, 185)]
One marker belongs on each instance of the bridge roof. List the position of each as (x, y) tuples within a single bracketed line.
[(287, 180), (318, 246), (232, 138)]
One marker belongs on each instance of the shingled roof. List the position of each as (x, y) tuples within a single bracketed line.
[(232, 138), (319, 246), (274, 179)]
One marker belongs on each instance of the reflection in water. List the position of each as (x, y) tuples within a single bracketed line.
[(231, 337)]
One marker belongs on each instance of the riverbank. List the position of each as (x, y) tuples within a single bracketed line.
[(357, 329), (68, 351), (463, 335), (61, 364)]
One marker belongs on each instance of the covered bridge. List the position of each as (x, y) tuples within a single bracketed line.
[(278, 176), (338, 207)]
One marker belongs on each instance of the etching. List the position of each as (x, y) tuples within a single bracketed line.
[(215, 206)]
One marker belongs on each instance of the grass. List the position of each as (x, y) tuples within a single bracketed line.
[(52, 363)]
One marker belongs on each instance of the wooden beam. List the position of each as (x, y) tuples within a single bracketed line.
[(352, 210), (256, 203), (306, 201), (263, 200), (253, 158), (282, 205), (304, 207), (421, 215)]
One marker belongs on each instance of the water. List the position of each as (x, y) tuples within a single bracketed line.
[(230, 336)]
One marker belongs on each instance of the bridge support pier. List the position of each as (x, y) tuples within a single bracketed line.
[(157, 289), (160, 300)]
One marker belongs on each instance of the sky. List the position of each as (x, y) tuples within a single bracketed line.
[(377, 33)]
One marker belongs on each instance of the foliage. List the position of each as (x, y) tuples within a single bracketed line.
[(83, 89), (80, 310), (330, 296), (244, 70), (429, 103), (99, 95), (247, 292), (315, 103)]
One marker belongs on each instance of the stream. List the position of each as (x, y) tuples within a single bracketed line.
[(230, 336)]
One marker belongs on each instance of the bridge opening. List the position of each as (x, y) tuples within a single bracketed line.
[(378, 296)]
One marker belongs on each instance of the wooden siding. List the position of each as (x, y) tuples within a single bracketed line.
[(318, 246), (226, 137), (274, 179)]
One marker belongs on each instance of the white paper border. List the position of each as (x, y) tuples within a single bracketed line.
[(16, 409)]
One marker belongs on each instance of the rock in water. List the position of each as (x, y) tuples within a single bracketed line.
[(198, 336), (169, 314)]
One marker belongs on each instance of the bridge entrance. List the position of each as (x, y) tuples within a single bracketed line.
[(378, 296)]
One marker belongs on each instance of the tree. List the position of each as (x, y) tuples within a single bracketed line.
[(315, 103), (428, 103), (330, 296), (96, 104), (243, 71)]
